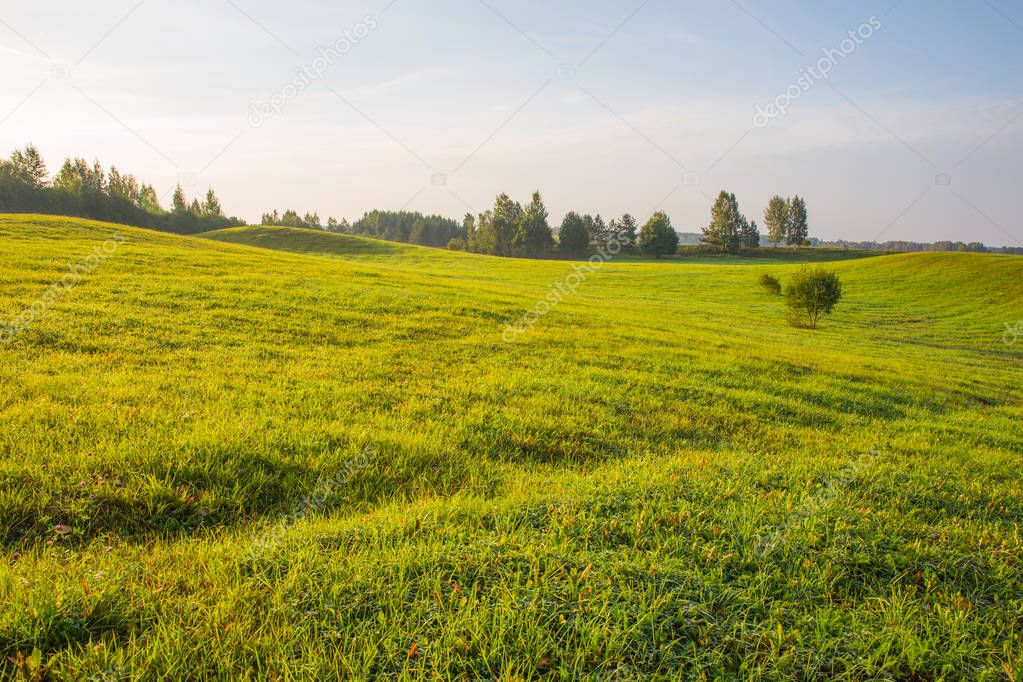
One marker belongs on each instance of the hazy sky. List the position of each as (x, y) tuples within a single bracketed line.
[(916, 132)]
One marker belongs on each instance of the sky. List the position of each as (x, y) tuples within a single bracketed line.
[(910, 129)]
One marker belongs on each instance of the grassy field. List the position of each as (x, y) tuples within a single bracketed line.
[(282, 454)]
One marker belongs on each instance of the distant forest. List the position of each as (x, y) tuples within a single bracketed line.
[(972, 247), (87, 190), (509, 229), (396, 226)]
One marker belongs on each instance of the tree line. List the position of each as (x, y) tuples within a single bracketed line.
[(730, 231), (514, 229), (396, 226), (509, 229), (915, 247), (87, 190)]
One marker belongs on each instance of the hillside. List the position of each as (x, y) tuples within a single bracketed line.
[(269, 452)]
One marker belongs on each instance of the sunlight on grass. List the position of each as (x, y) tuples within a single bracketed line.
[(591, 500)]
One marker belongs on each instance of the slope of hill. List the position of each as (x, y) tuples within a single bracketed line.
[(324, 456), (304, 240)]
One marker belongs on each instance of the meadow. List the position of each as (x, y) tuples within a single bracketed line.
[(274, 453)]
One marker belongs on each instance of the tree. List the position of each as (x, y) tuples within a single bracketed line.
[(122, 187), (749, 234), (496, 228), (726, 224), (78, 179), (658, 238), (815, 292), (420, 233), (599, 234), (590, 225), (28, 167), (211, 208), (149, 200), (430, 230), (533, 235), (85, 190), (481, 239), (797, 231), (179, 203), (624, 230), (776, 218), (573, 237)]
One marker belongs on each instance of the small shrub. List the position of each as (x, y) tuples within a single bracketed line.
[(815, 292), (771, 284)]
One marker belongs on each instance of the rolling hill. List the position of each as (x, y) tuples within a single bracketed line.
[(267, 453)]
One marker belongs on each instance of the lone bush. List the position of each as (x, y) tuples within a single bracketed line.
[(815, 292), (771, 284)]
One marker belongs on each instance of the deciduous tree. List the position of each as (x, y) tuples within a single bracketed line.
[(573, 237), (658, 238), (813, 292), (798, 230), (776, 218), (726, 224)]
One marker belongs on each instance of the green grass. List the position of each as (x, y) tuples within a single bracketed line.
[(281, 454)]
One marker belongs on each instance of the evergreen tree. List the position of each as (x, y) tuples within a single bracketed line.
[(599, 234), (533, 236), (749, 234), (625, 230), (211, 208), (179, 204)]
